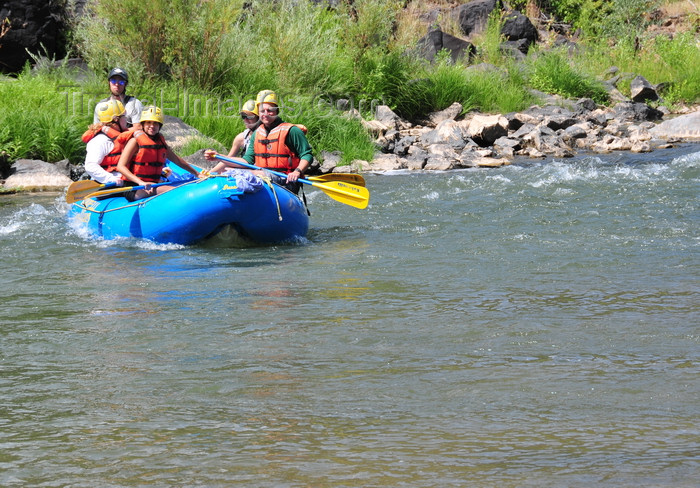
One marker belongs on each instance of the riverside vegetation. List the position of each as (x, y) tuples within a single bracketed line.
[(202, 60)]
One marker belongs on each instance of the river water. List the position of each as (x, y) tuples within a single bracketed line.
[(533, 325)]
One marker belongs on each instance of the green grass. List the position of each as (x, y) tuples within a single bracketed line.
[(553, 72), (43, 115), (33, 119)]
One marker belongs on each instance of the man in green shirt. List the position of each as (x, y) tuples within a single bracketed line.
[(278, 145)]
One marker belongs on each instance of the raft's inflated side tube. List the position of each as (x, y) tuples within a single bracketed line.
[(195, 210)]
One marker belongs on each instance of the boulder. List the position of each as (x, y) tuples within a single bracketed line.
[(374, 127), (450, 113), (574, 132), (482, 159), (641, 147), (177, 134), (584, 105), (387, 118), (443, 151), (546, 141), (682, 127), (634, 111), (401, 147), (559, 121), (330, 161), (641, 90), (439, 163), (385, 162), (416, 158), (436, 40), (36, 175), (356, 166), (485, 129), (197, 158), (31, 26), (446, 132), (472, 17), (507, 146), (415, 161), (515, 49), (524, 130), (517, 27)]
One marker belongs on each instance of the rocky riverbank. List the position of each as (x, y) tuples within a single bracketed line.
[(557, 129)]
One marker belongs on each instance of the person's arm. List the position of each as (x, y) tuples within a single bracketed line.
[(299, 144), (237, 144), (248, 157), (180, 162), (97, 149), (123, 166)]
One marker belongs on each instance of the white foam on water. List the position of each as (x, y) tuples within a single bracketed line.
[(26, 218)]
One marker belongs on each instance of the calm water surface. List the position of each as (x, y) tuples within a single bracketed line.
[(534, 325)]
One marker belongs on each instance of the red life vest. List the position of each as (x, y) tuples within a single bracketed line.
[(271, 150), (150, 158), (119, 139)]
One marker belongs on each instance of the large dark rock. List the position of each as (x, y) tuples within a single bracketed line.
[(638, 112), (517, 27), (29, 25), (641, 90), (473, 16), (436, 40)]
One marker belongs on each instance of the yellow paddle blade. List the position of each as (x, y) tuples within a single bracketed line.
[(349, 194), (80, 189), (353, 178)]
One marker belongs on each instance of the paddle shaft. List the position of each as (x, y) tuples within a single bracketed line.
[(128, 188)]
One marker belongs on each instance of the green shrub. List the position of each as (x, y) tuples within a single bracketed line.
[(158, 38), (368, 26), (489, 42), (551, 72)]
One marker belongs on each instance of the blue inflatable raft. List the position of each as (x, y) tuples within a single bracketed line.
[(259, 212)]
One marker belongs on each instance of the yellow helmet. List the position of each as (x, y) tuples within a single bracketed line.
[(110, 110), (266, 96), (250, 106), (152, 113)]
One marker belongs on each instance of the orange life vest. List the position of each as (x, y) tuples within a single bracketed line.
[(271, 150), (119, 139), (150, 158), (105, 129)]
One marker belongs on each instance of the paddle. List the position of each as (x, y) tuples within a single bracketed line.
[(353, 178), (126, 188), (80, 189), (347, 193)]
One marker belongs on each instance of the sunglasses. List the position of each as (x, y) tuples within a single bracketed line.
[(249, 117), (117, 81)]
